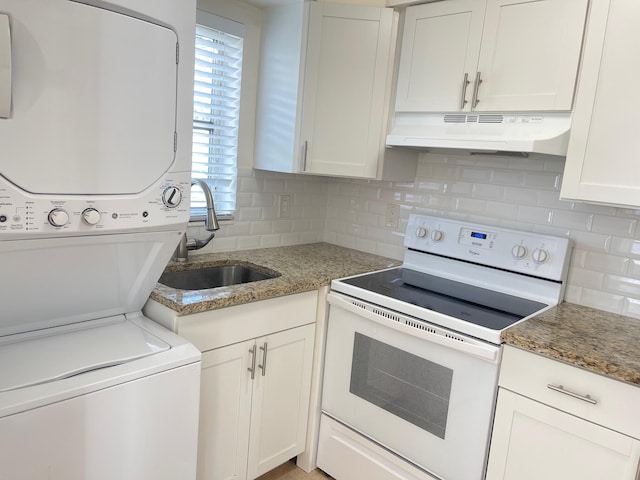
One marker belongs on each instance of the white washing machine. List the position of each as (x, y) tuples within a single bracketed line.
[(95, 159)]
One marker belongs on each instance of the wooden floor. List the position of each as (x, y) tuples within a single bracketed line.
[(289, 471)]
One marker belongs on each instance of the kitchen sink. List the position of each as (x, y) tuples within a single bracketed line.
[(215, 276)]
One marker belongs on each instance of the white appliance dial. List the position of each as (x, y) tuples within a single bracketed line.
[(540, 255), (90, 216), (519, 252), (172, 196), (437, 235), (58, 217), (421, 232)]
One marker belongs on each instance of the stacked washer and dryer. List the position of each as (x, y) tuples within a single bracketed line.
[(95, 160)]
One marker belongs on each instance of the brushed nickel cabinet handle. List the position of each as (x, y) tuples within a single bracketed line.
[(465, 84), (304, 155), (252, 368), (263, 367), (476, 87), (561, 389)]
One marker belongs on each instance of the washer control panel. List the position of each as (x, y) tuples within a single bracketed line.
[(524, 252), (23, 215)]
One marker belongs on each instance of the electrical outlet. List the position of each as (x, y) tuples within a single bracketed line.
[(284, 206), (393, 215)]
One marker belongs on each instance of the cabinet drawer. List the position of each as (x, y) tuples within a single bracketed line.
[(226, 326), (615, 403)]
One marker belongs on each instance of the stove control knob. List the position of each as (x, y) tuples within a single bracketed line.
[(437, 235), (421, 232), (519, 252), (540, 255), (58, 217), (171, 197), (90, 216)]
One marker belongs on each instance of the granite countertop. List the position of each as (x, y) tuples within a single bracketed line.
[(602, 342), (301, 267)]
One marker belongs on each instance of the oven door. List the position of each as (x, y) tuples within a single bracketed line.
[(420, 391)]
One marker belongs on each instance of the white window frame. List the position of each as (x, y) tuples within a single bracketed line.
[(215, 139)]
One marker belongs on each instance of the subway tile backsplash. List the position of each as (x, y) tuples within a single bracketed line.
[(258, 223), (510, 191)]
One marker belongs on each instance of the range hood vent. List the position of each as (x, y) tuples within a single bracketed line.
[(494, 132)]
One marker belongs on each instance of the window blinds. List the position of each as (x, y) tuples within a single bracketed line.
[(218, 69)]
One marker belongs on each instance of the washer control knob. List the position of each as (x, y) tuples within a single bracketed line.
[(519, 252), (58, 217), (90, 216), (171, 196), (421, 232), (437, 235), (540, 255)]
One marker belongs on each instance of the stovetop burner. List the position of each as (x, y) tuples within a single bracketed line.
[(479, 306)]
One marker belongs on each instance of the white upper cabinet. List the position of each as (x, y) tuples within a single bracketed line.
[(490, 55), (325, 85), (440, 48), (604, 146)]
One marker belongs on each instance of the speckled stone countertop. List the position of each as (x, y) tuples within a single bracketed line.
[(301, 267), (598, 341)]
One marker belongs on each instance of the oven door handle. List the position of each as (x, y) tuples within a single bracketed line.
[(485, 352)]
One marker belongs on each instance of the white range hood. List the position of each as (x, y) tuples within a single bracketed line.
[(546, 133)]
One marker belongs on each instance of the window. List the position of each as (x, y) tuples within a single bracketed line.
[(216, 109)]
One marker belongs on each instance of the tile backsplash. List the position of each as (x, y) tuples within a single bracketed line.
[(509, 191), (258, 223)]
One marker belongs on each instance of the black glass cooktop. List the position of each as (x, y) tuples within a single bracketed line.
[(476, 305)]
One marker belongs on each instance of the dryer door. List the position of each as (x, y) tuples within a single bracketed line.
[(93, 99)]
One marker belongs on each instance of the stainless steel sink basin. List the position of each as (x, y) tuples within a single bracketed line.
[(212, 277)]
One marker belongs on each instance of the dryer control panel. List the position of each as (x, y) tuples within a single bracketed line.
[(24, 215)]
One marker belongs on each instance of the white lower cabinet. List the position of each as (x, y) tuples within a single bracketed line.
[(254, 404), (560, 423), (534, 441), (249, 426)]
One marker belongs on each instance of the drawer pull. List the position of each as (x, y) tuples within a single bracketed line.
[(561, 389)]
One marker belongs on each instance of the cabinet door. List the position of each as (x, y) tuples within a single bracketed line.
[(225, 412), (603, 148), (533, 441), (530, 54), (348, 54), (440, 48), (280, 398)]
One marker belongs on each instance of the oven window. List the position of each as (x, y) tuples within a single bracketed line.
[(401, 383)]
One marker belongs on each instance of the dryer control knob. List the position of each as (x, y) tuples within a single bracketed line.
[(437, 235), (171, 196), (540, 255), (58, 217), (90, 216), (421, 232), (519, 252)]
